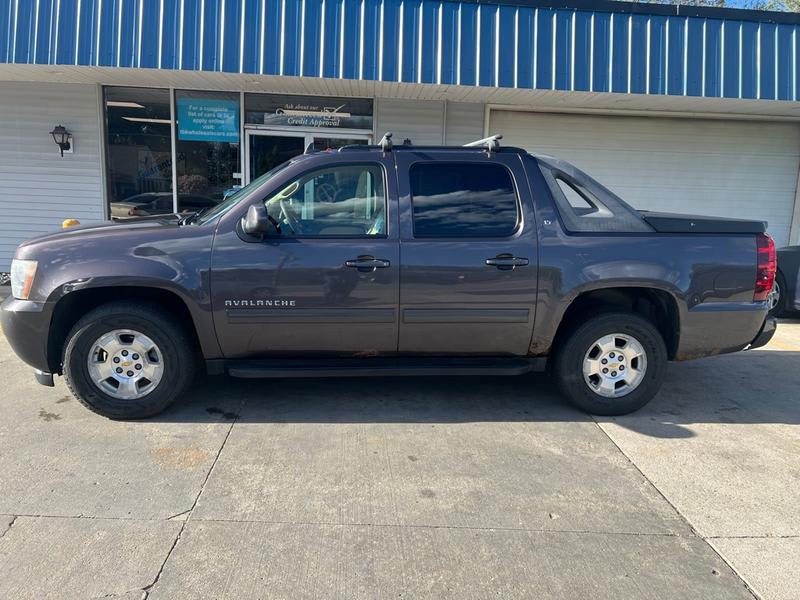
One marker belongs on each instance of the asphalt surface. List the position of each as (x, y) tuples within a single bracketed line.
[(416, 488)]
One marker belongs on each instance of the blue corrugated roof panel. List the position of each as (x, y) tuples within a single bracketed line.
[(592, 46)]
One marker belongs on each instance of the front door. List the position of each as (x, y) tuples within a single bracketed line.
[(468, 259), (328, 284)]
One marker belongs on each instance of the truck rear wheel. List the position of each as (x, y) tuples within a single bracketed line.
[(128, 361), (611, 364)]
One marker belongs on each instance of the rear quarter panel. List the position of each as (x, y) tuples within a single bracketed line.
[(709, 277)]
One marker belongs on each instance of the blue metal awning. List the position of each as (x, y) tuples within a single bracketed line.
[(600, 47)]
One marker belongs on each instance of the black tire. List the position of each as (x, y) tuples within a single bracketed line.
[(780, 308), (569, 356), (174, 343)]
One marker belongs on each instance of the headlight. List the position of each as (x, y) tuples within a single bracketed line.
[(22, 274)]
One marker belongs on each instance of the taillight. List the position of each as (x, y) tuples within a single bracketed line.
[(134, 212), (767, 263)]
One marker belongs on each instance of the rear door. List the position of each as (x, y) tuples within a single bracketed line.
[(468, 253)]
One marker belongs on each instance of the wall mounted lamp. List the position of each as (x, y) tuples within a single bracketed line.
[(62, 138)]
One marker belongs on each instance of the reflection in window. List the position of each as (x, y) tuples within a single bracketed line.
[(139, 159), (337, 201), (463, 200), (332, 143), (269, 151), (207, 159)]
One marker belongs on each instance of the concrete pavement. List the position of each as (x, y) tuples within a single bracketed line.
[(418, 488), (722, 443)]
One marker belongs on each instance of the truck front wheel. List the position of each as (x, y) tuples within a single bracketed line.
[(611, 364), (128, 361)]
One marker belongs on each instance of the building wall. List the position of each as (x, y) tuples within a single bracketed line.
[(39, 188), (429, 122), (464, 122)]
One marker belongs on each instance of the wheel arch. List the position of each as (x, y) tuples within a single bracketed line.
[(74, 305), (657, 306)]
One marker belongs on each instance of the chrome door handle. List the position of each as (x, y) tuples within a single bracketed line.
[(367, 264), (506, 262)]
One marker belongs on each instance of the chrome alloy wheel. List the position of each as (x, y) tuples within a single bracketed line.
[(774, 295), (614, 365), (125, 364)]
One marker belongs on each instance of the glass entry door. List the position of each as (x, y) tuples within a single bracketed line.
[(268, 149)]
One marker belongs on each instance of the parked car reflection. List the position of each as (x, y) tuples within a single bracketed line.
[(158, 203)]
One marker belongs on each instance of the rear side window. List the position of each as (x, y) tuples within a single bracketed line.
[(463, 200), (585, 205)]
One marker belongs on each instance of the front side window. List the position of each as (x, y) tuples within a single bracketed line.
[(463, 200), (343, 201)]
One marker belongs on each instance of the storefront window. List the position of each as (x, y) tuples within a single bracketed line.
[(139, 158), (211, 143), (207, 146)]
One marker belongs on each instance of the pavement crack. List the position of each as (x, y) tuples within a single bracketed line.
[(181, 516), (147, 589), (126, 593), (90, 517), (445, 527), (767, 536), (10, 525)]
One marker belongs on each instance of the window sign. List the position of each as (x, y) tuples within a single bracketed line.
[(208, 120), (308, 111), (207, 151)]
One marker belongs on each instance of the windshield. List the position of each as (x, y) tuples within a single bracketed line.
[(235, 198)]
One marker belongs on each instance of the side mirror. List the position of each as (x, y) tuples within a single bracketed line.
[(257, 220)]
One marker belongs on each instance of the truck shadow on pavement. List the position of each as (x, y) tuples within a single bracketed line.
[(746, 388)]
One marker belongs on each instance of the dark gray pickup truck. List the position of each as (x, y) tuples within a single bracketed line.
[(387, 260)]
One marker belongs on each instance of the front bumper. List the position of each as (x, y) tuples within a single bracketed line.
[(768, 329), (26, 326)]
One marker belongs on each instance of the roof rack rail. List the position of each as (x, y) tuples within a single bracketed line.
[(491, 143), (386, 142)]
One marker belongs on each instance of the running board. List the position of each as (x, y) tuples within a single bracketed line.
[(376, 367)]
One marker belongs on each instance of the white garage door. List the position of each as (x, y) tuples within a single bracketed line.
[(740, 169)]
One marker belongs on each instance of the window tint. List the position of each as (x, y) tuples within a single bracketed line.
[(338, 201), (463, 200)]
